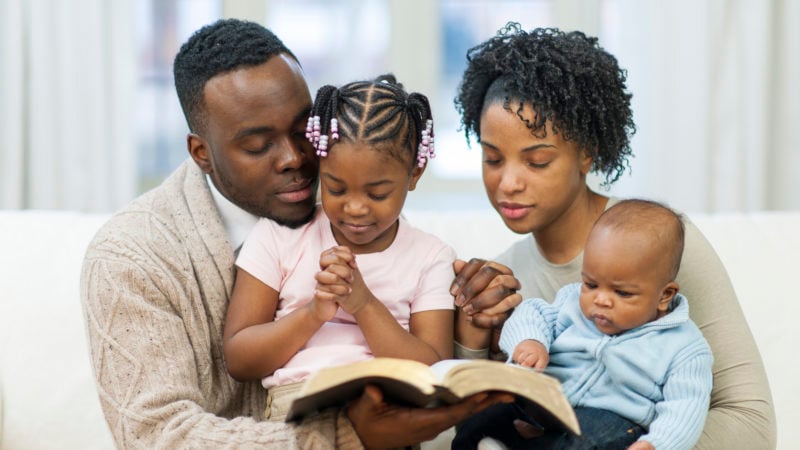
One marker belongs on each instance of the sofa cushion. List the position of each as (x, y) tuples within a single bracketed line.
[(49, 395)]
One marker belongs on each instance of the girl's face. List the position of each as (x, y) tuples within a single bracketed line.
[(363, 192), (530, 181)]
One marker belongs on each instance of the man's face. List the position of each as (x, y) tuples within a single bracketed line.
[(253, 143)]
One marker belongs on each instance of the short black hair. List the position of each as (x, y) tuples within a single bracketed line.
[(378, 112), (567, 78), (663, 224), (220, 47)]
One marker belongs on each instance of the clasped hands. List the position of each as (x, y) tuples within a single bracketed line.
[(339, 284), (485, 292)]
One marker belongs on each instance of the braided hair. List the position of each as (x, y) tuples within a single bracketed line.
[(377, 112), (214, 49), (567, 78)]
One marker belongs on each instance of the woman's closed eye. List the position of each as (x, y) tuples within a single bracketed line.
[(538, 165)]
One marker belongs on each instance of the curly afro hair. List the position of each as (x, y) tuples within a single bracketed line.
[(220, 47), (567, 78)]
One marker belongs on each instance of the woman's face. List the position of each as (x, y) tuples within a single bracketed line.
[(530, 181)]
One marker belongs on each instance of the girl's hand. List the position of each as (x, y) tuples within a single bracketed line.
[(530, 353), (359, 294), (333, 281), (341, 281), (322, 307)]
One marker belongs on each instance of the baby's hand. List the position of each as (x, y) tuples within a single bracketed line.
[(530, 353), (641, 445)]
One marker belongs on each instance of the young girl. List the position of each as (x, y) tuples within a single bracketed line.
[(381, 285)]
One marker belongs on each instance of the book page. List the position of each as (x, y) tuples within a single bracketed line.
[(401, 381), (541, 390), (441, 368)]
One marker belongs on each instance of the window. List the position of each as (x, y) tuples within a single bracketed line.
[(336, 42), (162, 26)]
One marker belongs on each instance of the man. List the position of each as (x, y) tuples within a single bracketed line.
[(157, 277)]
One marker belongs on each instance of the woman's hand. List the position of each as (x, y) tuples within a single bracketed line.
[(485, 291)]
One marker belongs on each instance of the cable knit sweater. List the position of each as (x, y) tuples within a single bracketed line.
[(657, 375), (155, 286)]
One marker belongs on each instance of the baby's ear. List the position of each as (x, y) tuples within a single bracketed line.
[(667, 294), (416, 172)]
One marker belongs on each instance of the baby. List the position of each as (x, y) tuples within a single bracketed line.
[(634, 366)]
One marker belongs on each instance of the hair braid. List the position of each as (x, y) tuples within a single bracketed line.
[(379, 113)]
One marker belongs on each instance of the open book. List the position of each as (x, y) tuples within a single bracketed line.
[(416, 384)]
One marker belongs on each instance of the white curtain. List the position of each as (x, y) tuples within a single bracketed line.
[(715, 90), (716, 100), (66, 83)]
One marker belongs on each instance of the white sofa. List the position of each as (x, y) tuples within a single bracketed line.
[(47, 396)]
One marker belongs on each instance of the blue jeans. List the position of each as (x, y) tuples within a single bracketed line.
[(600, 430)]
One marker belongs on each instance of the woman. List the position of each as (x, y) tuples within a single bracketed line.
[(549, 107)]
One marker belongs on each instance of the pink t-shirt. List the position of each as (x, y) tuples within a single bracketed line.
[(412, 275)]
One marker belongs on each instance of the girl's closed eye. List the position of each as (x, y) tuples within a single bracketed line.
[(380, 196), (333, 190)]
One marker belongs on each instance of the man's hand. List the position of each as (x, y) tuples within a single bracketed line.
[(382, 425), (486, 291)]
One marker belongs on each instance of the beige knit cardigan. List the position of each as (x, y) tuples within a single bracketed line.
[(155, 285)]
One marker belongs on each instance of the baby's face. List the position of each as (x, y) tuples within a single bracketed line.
[(625, 280)]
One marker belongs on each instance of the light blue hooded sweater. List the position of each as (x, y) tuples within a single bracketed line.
[(657, 375)]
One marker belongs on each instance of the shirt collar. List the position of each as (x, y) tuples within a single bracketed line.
[(238, 222)]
